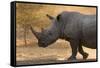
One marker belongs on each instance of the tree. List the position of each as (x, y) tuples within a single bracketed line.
[(24, 16)]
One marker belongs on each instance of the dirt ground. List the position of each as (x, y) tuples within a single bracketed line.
[(55, 53)]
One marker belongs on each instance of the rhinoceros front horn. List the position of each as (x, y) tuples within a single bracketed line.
[(37, 34), (50, 17)]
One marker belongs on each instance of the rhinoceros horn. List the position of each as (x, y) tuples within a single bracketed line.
[(37, 34), (50, 17)]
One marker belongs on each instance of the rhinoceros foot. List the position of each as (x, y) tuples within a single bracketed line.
[(85, 55), (72, 58)]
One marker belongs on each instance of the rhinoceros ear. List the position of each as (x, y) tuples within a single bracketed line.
[(50, 17), (58, 17)]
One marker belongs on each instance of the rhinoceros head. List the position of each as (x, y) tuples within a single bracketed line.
[(44, 37)]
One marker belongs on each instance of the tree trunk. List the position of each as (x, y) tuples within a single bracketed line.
[(25, 35)]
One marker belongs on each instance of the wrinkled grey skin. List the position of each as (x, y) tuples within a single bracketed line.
[(77, 28)]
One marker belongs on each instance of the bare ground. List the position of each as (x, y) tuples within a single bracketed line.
[(55, 53)]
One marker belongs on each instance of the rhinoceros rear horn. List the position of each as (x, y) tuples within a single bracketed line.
[(50, 17), (37, 34)]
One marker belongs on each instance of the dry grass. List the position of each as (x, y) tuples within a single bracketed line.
[(60, 50)]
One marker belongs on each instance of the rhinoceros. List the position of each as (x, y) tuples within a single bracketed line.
[(77, 28)]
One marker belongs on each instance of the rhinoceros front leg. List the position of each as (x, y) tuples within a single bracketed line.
[(74, 46), (81, 51)]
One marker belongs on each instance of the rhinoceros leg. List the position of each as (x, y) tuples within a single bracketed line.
[(81, 51), (74, 46)]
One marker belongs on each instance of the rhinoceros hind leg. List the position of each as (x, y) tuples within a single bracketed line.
[(81, 51)]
